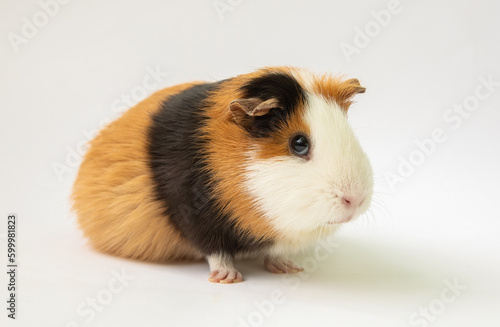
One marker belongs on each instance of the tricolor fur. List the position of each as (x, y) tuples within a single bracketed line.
[(206, 170)]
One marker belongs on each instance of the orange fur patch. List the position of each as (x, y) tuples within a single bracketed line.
[(336, 89), (113, 193), (278, 144)]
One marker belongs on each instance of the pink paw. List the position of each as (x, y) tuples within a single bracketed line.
[(281, 266), (225, 276)]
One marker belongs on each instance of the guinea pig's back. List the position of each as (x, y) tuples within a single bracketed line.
[(113, 195)]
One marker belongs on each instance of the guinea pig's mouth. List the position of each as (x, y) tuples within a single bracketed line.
[(341, 221)]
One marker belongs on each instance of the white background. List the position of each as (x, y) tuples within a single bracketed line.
[(438, 224)]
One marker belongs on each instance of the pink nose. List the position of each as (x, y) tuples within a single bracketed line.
[(350, 201)]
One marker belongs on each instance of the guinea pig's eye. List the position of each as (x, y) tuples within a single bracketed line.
[(299, 145)]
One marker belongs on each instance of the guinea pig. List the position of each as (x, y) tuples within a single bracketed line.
[(261, 164)]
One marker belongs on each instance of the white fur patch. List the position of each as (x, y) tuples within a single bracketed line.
[(300, 197), (222, 262)]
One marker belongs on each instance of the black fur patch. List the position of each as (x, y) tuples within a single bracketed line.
[(280, 86), (181, 179)]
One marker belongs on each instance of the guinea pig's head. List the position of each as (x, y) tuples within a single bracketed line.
[(304, 167)]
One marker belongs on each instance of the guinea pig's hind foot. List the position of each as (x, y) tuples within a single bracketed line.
[(222, 269), (278, 265)]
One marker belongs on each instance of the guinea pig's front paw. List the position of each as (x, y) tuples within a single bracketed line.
[(281, 266), (225, 276), (222, 269)]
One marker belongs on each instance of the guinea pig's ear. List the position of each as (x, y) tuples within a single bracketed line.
[(353, 87), (243, 110), (346, 90)]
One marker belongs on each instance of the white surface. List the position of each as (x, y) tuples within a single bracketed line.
[(441, 223)]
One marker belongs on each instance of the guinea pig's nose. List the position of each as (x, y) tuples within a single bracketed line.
[(351, 201)]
